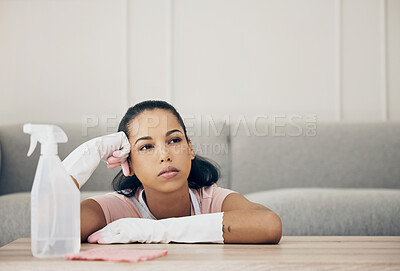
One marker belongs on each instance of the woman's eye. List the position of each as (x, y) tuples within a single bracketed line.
[(145, 147), (175, 140)]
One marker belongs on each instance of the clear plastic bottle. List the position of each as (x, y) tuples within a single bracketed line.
[(55, 200)]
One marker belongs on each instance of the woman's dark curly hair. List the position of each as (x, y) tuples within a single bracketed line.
[(203, 172)]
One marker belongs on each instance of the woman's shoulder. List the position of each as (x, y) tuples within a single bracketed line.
[(213, 191), (127, 194), (116, 205), (113, 196), (211, 198)]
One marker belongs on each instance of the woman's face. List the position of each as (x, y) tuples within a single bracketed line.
[(157, 142)]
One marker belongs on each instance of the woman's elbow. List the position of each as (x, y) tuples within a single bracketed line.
[(275, 228), (92, 218)]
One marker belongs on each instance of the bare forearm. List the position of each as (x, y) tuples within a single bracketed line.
[(76, 183), (251, 226)]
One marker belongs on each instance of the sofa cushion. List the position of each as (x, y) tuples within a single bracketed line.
[(343, 155), (319, 211)]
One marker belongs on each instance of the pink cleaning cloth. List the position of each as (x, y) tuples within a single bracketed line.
[(117, 255)]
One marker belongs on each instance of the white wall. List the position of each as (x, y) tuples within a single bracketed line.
[(64, 61)]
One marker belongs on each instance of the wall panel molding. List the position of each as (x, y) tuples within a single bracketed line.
[(338, 59), (362, 61), (150, 46), (169, 25), (126, 54), (393, 59), (383, 59)]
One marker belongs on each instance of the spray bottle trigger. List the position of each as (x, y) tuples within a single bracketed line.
[(33, 145)]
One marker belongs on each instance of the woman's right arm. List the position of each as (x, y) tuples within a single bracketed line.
[(80, 164), (92, 218), (82, 161)]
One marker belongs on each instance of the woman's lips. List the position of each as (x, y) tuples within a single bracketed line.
[(169, 175), (168, 172)]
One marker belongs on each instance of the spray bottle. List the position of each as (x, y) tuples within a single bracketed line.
[(55, 199)]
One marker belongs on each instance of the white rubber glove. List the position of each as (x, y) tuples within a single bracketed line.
[(81, 163), (206, 228)]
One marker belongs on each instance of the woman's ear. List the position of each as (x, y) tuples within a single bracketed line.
[(193, 155), (131, 171)]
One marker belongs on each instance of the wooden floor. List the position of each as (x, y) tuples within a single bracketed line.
[(293, 252)]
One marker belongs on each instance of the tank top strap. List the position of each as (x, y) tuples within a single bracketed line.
[(145, 212)]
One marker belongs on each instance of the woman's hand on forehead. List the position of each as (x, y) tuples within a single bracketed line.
[(114, 161)]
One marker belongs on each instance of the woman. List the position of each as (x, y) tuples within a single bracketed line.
[(165, 193)]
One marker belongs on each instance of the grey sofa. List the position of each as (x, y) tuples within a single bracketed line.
[(335, 179)]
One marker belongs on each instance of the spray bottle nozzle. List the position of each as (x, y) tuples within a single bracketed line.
[(47, 135)]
